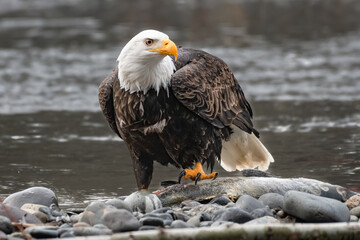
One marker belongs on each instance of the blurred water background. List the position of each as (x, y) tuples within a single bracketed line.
[(298, 62)]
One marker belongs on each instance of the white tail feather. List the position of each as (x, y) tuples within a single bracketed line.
[(244, 151)]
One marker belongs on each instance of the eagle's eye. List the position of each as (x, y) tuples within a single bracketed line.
[(149, 42)]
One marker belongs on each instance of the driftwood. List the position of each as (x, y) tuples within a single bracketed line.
[(332, 231), (234, 187)]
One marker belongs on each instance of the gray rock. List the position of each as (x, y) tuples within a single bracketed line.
[(281, 214), (90, 231), (194, 221), (179, 224), (67, 234), (221, 200), (355, 211), (311, 208), (143, 201), (234, 214), (119, 204), (42, 231), (5, 225), (120, 220), (224, 223), (263, 220), (262, 212), (248, 203), (3, 235), (36, 195), (147, 227), (94, 212), (273, 200), (189, 203), (204, 208), (166, 217), (152, 221), (353, 201), (179, 216), (18, 214), (42, 212), (162, 210), (206, 223), (353, 218)]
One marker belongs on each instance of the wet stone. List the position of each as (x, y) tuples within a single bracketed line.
[(42, 232), (189, 203), (206, 223), (119, 204), (147, 227), (36, 195), (81, 224), (221, 200), (194, 221), (162, 210), (263, 220), (281, 214), (152, 221), (262, 212), (273, 200), (248, 203), (90, 231), (5, 225), (355, 211), (234, 214), (143, 201), (94, 212), (179, 224), (3, 235), (311, 208), (224, 223), (42, 212), (179, 216), (18, 214), (120, 220), (353, 218), (353, 201), (204, 208), (68, 234)]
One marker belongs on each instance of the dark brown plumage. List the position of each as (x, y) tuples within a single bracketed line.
[(181, 125)]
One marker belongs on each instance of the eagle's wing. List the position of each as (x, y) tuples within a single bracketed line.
[(206, 86), (106, 99)]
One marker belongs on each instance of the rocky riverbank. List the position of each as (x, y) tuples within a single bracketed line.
[(35, 211)]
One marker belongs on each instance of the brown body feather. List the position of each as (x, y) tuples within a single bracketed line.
[(180, 125)]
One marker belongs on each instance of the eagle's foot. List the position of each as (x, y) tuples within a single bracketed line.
[(196, 174)]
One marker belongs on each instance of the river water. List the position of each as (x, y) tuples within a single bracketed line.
[(297, 61)]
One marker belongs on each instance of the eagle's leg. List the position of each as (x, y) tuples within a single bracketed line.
[(196, 174), (143, 169)]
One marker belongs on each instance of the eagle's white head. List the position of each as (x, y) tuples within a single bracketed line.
[(145, 62)]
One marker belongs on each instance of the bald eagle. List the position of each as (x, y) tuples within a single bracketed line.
[(179, 106)]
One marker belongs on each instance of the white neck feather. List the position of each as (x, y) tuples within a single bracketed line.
[(142, 75)]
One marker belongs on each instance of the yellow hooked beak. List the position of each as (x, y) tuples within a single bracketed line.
[(168, 48)]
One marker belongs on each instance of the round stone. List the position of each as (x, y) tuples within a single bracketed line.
[(234, 214), (36, 195), (273, 200), (120, 220), (119, 204), (152, 221), (355, 211), (143, 201), (248, 203), (179, 224), (5, 225), (262, 212), (221, 200), (312, 208)]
